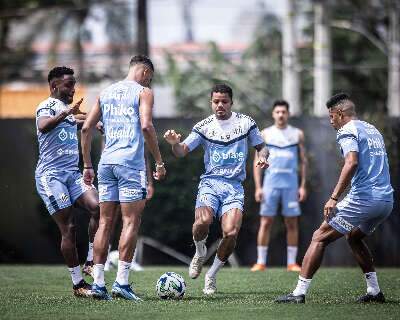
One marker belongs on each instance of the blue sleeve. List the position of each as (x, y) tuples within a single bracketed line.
[(255, 137), (193, 140), (347, 144)]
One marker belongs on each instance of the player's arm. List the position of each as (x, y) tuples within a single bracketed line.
[(149, 133), (86, 142), (303, 167), (347, 173), (259, 164), (179, 149), (46, 124)]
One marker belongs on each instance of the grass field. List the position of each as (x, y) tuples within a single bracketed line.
[(44, 292)]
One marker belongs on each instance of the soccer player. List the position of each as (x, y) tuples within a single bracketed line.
[(125, 108), (368, 203), (58, 180), (224, 136), (281, 184)]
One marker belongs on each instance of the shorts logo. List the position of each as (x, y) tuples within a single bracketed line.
[(63, 197), (203, 198), (126, 192), (343, 223), (102, 190), (293, 204), (63, 135)]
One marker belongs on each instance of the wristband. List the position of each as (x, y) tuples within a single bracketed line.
[(335, 199), (87, 167)]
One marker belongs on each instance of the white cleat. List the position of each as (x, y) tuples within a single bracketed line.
[(196, 265), (136, 266), (210, 285)]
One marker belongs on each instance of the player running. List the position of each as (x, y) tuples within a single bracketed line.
[(224, 136), (125, 108), (368, 203), (58, 180), (281, 184)]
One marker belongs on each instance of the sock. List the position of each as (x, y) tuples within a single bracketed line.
[(372, 283), (90, 252), (291, 254), (201, 249), (98, 275), (123, 272), (217, 264), (76, 274), (262, 252), (302, 286)]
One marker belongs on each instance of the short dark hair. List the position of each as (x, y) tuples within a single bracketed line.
[(142, 59), (336, 99), (58, 72), (222, 88), (280, 102)]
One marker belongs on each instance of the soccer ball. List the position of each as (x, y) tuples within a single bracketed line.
[(171, 286)]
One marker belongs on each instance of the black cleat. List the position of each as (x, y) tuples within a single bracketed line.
[(82, 289), (291, 298), (378, 298)]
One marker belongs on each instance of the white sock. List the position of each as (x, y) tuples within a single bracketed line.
[(372, 283), (262, 252), (90, 252), (302, 286), (201, 249), (76, 274), (98, 275), (291, 254), (217, 264), (134, 257), (123, 272)]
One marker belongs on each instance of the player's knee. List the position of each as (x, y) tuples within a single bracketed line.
[(204, 220), (266, 223), (94, 209), (319, 237), (232, 233)]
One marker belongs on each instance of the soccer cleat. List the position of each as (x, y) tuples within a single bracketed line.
[(136, 266), (210, 285), (124, 292), (82, 289), (88, 268), (291, 298), (379, 298), (100, 293), (195, 266), (293, 267), (258, 267)]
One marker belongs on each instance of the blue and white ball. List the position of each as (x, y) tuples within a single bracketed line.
[(171, 286)]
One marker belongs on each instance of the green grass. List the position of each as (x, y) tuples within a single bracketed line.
[(44, 292)]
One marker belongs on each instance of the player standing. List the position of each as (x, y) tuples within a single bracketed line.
[(58, 180), (125, 108), (281, 184), (224, 136), (368, 203)]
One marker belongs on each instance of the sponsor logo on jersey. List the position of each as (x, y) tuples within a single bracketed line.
[(120, 110), (227, 157), (63, 197)]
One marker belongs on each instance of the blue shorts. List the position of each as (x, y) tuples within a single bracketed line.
[(221, 195), (60, 190), (121, 184), (364, 214), (288, 197)]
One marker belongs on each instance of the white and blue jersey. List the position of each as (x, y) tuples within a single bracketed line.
[(58, 180), (121, 171), (280, 184), (370, 199), (225, 144)]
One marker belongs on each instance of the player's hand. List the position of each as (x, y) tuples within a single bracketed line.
[(160, 173), (75, 108), (262, 162), (100, 127), (172, 137), (150, 191), (88, 176), (302, 194), (329, 209), (259, 195)]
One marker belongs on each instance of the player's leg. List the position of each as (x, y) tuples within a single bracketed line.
[(89, 200), (311, 262), (109, 263), (291, 212), (231, 222), (268, 211), (203, 218)]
